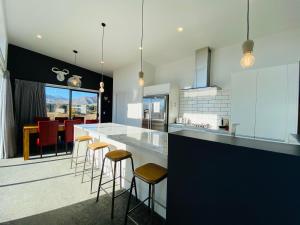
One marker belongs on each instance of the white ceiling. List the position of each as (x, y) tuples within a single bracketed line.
[(75, 24)]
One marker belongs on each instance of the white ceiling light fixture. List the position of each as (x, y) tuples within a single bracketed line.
[(141, 73), (248, 59), (75, 81), (39, 36), (179, 29), (102, 59)]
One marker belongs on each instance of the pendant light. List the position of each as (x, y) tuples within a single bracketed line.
[(141, 73), (248, 59), (102, 59), (74, 81)]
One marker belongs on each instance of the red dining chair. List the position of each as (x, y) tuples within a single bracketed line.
[(79, 118), (61, 119), (39, 118), (47, 131), (91, 121), (69, 132)]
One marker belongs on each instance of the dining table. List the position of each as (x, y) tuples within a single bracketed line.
[(32, 129)]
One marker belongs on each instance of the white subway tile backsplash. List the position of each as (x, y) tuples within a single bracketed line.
[(205, 109)]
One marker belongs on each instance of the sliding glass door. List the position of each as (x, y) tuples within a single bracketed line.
[(57, 102), (63, 102), (84, 104)]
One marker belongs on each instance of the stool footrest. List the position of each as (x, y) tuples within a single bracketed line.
[(138, 205), (132, 220)]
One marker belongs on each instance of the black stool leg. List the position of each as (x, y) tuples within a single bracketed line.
[(132, 166), (85, 159), (149, 196), (41, 151), (66, 146), (152, 201), (113, 192), (120, 174), (100, 179), (129, 198), (56, 149), (92, 178)]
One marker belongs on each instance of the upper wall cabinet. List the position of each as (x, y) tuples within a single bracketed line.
[(265, 102), (271, 103), (243, 91)]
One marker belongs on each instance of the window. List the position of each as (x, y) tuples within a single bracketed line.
[(63, 102), (84, 104), (57, 101)]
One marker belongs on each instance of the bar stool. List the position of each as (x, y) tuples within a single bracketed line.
[(151, 174), (79, 140), (94, 147), (115, 156)]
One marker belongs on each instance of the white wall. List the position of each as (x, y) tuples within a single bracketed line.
[(277, 49), (127, 94), (3, 34)]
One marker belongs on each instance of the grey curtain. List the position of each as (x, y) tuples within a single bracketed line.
[(30, 101), (7, 123)]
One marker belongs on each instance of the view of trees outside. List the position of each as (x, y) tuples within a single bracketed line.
[(84, 104)]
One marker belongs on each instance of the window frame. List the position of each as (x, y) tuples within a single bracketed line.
[(71, 89)]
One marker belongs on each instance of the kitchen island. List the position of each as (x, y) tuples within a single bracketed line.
[(225, 180), (145, 145)]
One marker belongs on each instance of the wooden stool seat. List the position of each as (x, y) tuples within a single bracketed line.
[(151, 173), (83, 138), (98, 145), (118, 155)]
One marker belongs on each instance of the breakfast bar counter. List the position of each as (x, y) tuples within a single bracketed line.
[(146, 146)]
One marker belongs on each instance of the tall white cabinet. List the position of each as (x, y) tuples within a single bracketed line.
[(265, 102)]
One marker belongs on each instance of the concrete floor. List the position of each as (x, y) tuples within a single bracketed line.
[(46, 191)]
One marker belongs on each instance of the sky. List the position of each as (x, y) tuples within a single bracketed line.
[(64, 93)]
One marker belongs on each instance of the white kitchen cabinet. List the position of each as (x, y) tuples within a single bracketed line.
[(265, 102), (271, 103), (243, 100)]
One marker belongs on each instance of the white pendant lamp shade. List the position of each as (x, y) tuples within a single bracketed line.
[(141, 79), (74, 81), (141, 73), (101, 87), (248, 58)]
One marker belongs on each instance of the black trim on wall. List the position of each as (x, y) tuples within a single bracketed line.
[(298, 130), (28, 65)]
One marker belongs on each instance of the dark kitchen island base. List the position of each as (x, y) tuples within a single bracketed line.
[(223, 180)]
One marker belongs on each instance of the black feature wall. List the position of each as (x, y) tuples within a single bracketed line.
[(28, 65)]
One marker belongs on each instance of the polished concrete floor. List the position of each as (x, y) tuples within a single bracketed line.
[(46, 191)]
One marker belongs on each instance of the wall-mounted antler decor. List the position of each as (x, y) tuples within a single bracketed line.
[(60, 74)]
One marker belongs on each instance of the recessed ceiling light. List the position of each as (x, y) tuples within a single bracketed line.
[(38, 36), (179, 29), (140, 48)]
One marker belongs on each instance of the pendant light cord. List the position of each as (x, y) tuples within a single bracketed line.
[(102, 54), (247, 19), (75, 57), (142, 37)]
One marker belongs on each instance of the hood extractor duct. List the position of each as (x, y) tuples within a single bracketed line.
[(202, 70)]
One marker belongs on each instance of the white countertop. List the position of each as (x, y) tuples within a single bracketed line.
[(134, 136), (190, 127)]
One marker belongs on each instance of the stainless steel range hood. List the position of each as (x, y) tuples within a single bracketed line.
[(202, 70)]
